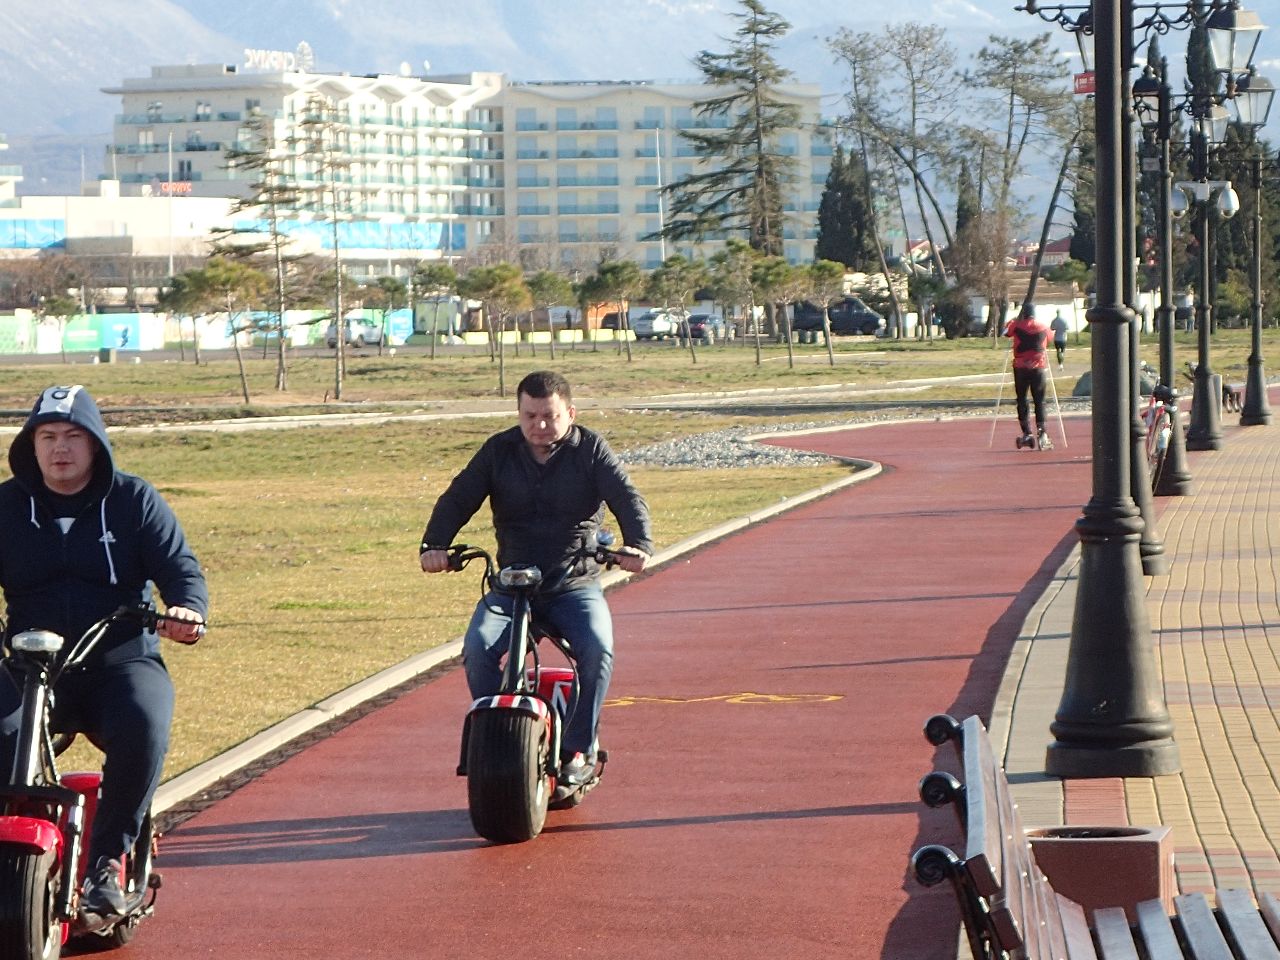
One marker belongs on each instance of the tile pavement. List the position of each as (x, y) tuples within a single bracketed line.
[(1215, 625)]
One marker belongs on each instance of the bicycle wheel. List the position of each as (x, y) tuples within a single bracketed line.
[(1159, 427)]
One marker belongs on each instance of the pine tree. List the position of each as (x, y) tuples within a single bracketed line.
[(844, 227), (739, 185)]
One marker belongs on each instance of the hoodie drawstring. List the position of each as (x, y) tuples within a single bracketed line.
[(107, 540), (34, 522)]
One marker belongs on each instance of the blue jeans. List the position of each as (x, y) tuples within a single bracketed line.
[(581, 615)]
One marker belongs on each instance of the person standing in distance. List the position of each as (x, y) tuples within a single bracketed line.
[(81, 539), (547, 481), (1030, 373), (1059, 327)]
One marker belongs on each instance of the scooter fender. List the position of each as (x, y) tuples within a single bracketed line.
[(506, 701), (31, 832)]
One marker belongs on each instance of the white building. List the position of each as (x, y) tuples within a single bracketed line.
[(559, 173)]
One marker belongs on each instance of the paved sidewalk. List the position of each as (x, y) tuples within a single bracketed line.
[(1215, 622)]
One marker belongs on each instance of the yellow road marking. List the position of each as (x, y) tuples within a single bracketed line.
[(750, 698)]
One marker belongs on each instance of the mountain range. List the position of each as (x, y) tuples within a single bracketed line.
[(57, 55)]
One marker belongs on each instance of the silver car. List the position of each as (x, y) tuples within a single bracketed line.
[(657, 325), (358, 333)]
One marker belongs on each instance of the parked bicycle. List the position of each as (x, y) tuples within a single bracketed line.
[(1158, 419)]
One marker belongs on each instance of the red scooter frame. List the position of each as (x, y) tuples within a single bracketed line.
[(45, 815)]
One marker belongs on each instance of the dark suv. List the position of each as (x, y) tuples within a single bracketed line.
[(848, 315)]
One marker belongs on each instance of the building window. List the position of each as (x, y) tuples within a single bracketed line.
[(184, 170)]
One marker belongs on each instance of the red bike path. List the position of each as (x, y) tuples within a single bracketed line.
[(765, 729)]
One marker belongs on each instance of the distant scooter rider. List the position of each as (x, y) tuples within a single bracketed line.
[(1030, 372), (81, 539), (547, 481)]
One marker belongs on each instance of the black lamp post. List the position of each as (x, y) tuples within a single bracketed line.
[(1112, 720), (1155, 107), (1205, 431), (1254, 97)]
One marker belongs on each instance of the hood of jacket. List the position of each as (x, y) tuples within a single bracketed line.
[(73, 405)]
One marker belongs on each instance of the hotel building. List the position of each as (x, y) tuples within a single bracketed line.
[(556, 174)]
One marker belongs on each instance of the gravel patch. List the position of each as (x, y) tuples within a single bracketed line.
[(732, 448)]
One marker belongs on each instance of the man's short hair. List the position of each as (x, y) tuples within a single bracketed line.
[(545, 383)]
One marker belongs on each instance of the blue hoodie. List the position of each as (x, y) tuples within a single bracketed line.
[(124, 539)]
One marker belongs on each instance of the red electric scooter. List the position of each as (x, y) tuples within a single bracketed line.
[(46, 815), (511, 741)]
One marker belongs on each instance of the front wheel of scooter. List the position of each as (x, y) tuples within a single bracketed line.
[(507, 786), (29, 929)]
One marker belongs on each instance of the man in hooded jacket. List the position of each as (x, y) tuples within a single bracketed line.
[(81, 539)]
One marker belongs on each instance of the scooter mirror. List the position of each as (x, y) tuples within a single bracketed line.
[(36, 641), (604, 538)]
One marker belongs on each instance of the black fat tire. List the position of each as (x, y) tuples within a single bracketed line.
[(28, 888), (507, 789)]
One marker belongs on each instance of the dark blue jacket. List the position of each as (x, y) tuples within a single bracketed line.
[(124, 539)]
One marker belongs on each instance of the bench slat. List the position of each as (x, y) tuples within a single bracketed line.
[(1200, 930), (1075, 931), (1115, 939), (1156, 930), (982, 854), (1245, 927), (1269, 907)]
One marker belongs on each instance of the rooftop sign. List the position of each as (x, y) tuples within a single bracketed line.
[(300, 60)]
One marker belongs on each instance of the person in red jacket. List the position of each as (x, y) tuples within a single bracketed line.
[(1030, 373)]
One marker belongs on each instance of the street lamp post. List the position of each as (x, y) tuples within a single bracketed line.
[(1112, 720), (1152, 93), (1205, 431), (1255, 97)]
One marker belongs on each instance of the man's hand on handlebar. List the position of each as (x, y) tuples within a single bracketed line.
[(434, 561), (630, 559), (181, 625)]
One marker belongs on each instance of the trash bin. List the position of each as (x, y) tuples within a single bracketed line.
[(106, 354), (1107, 866)]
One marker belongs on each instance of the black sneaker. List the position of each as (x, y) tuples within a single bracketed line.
[(102, 894)]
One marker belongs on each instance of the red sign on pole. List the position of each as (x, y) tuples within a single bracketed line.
[(1084, 82)]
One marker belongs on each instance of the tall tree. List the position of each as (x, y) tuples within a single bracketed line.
[(434, 277), (547, 289), (740, 184), (844, 215), (906, 105), (234, 288), (1023, 85), (325, 139), (620, 281), (674, 284), (731, 281), (273, 197), (502, 290)]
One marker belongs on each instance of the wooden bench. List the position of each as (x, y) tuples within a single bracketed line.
[(1011, 911)]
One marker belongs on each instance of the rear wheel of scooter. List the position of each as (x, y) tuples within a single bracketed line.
[(507, 790), (28, 890)]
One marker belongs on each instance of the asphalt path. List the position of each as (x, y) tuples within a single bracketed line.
[(764, 727)]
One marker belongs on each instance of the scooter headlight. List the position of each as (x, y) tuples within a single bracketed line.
[(520, 576), (36, 641)]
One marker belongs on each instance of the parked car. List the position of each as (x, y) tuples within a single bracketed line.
[(848, 315), (707, 327), (358, 333), (610, 321), (657, 325)]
